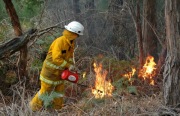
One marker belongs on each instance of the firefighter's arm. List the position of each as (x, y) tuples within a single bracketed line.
[(71, 58), (57, 52)]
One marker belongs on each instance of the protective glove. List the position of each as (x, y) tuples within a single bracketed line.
[(73, 68)]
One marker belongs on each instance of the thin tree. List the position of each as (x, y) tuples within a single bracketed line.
[(76, 9), (115, 10), (172, 64), (90, 7), (149, 25), (137, 21), (22, 63)]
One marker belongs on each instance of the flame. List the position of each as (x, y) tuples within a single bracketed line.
[(130, 74), (148, 70), (84, 74), (102, 86)]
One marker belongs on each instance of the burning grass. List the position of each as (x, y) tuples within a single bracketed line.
[(127, 96), (103, 87)]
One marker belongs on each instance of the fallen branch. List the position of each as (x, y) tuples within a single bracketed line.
[(16, 44)]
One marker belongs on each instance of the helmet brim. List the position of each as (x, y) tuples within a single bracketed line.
[(66, 27)]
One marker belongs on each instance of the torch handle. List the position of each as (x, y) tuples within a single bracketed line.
[(88, 87)]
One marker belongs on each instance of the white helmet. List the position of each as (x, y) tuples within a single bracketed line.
[(75, 27)]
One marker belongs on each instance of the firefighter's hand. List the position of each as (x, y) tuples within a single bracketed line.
[(73, 68)]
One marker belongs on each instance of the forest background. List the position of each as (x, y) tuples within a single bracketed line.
[(119, 34)]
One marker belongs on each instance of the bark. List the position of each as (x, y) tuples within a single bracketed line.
[(16, 44), (18, 32), (149, 23), (137, 22), (115, 10), (172, 65), (139, 35), (14, 17), (161, 61), (90, 7), (76, 8)]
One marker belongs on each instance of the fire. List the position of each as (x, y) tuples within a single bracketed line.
[(130, 74), (148, 70), (102, 86)]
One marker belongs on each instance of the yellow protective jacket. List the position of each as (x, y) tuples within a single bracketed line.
[(59, 57)]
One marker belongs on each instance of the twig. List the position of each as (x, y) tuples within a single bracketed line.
[(3, 101), (79, 108)]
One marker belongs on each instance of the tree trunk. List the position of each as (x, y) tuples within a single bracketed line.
[(13, 16), (76, 8), (161, 61), (18, 32), (172, 65), (149, 24), (90, 7), (137, 22), (139, 35), (115, 9)]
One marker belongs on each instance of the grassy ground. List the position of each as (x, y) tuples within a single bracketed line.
[(128, 99), (84, 104)]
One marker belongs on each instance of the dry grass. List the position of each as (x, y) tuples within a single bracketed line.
[(117, 105), (129, 105), (80, 102)]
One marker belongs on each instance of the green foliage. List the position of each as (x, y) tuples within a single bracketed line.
[(116, 68), (36, 64), (103, 5), (11, 77), (2, 73), (3, 12), (46, 41), (7, 76), (132, 89), (26, 11), (40, 42), (47, 98), (124, 85), (24, 8), (28, 8), (160, 5), (4, 22)]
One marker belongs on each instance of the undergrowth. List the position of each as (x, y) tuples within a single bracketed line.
[(120, 104), (129, 98)]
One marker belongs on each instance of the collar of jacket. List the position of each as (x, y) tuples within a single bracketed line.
[(69, 36)]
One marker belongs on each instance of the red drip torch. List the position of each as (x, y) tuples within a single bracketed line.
[(70, 76), (73, 77)]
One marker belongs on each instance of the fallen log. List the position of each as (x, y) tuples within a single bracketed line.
[(15, 44)]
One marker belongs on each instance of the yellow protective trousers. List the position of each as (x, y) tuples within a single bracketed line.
[(48, 95)]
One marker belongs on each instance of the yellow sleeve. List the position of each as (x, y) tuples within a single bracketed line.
[(57, 54), (71, 54)]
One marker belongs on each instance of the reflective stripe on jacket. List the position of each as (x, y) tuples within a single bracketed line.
[(50, 81)]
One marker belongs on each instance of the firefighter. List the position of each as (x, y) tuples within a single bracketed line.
[(59, 58)]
